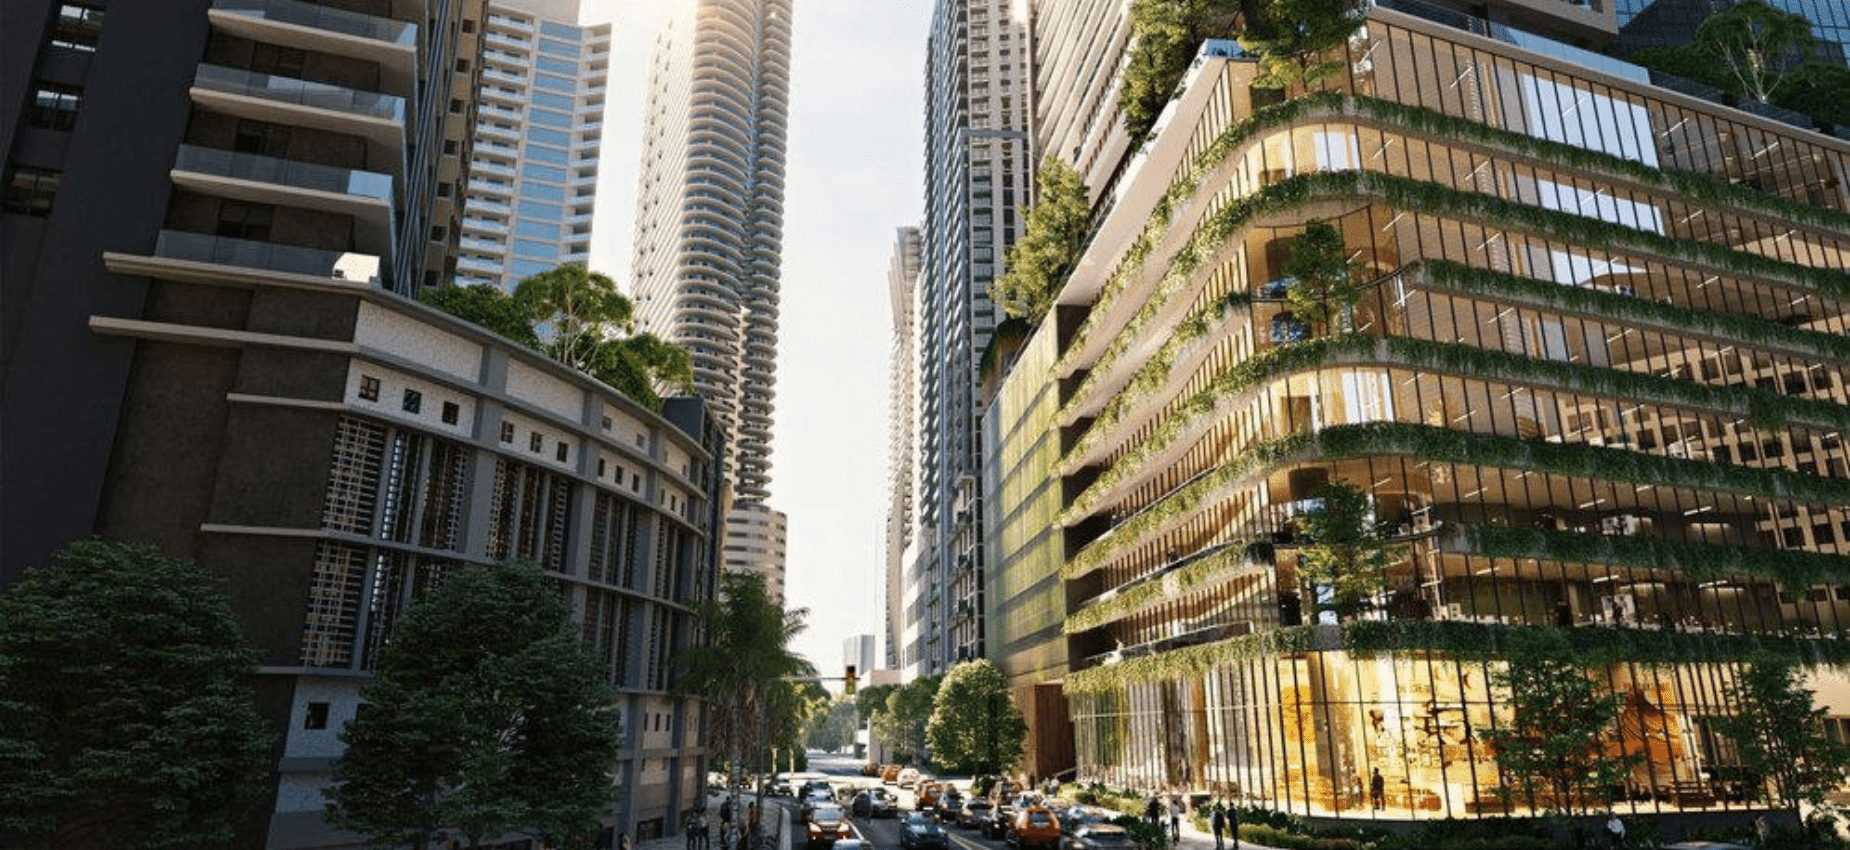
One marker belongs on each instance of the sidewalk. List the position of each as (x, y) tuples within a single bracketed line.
[(773, 811)]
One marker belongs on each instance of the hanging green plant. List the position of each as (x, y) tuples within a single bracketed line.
[(1792, 569), (1228, 561)]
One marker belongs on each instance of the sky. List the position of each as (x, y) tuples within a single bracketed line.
[(854, 175)]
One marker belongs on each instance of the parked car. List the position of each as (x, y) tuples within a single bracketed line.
[(870, 769), (828, 825), (920, 831), (975, 813), (1034, 826), (1098, 836), (909, 778)]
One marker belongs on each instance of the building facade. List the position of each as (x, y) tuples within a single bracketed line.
[(709, 221), (978, 175), (755, 543), (902, 282), (539, 120), (210, 349), (858, 652), (1576, 289)]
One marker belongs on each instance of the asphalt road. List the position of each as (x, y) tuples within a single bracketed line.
[(883, 833)]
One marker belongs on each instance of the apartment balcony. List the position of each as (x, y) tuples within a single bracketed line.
[(483, 206), (476, 265), (364, 195), (485, 246), (503, 77), (267, 256), (505, 40), (309, 26), (379, 118), (484, 225)]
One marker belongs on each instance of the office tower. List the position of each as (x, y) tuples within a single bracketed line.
[(539, 120), (709, 225), (1576, 290), (1672, 23), (978, 174), (902, 283), (213, 215)]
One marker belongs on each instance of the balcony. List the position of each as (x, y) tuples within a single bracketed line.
[(292, 23), (364, 195), (380, 118), (269, 256)]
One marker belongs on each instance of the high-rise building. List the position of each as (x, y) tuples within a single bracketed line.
[(709, 224), (210, 348), (1582, 298), (902, 282), (978, 175), (755, 543), (858, 652), (539, 120)]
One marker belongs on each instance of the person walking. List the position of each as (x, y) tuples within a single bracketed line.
[(725, 812), (1175, 819), (1217, 821), (623, 841), (703, 830), (1615, 830), (1762, 829), (1377, 790), (1233, 824), (1153, 812), (688, 828)]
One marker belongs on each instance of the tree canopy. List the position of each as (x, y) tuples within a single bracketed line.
[(1296, 40), (1555, 745), (908, 711), (1753, 40), (1346, 551), (1037, 265), (1166, 35), (577, 317), (975, 726), (487, 715), (126, 714), (1779, 729), (1326, 282)]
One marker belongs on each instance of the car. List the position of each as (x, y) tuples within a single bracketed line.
[(1098, 836), (1075, 818), (974, 814), (949, 808), (1000, 816), (852, 844), (909, 778), (885, 805), (919, 830), (890, 776), (781, 788), (827, 825), (929, 792), (1034, 826), (813, 801), (814, 785)]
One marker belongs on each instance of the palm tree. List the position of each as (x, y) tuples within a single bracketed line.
[(742, 668)]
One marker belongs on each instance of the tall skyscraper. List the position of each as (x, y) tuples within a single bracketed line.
[(709, 226), (539, 119), (1531, 405), (902, 283), (858, 652), (978, 174), (214, 211)]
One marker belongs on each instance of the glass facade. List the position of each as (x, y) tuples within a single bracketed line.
[(1593, 382)]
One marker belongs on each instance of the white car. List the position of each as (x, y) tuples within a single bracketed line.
[(908, 778)]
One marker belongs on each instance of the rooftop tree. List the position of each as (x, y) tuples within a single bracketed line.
[(1037, 265)]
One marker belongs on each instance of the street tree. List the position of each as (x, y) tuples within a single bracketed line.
[(908, 711), (1037, 264), (832, 727), (873, 699), (743, 670), (1345, 550), (1754, 42), (975, 726), (1555, 745), (126, 713), (487, 715), (1779, 728), (1326, 284)]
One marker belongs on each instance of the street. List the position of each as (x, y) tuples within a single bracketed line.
[(883, 833)]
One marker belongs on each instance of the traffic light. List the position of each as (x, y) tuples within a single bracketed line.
[(848, 681)]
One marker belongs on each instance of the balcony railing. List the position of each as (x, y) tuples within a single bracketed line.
[(300, 92), (248, 253), (283, 172), (320, 17)]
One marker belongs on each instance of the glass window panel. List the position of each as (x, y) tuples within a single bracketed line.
[(550, 119), (549, 212), (542, 172), (556, 83)]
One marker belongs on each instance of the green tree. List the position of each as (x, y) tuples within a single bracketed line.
[(908, 711), (1752, 40), (487, 715), (832, 727), (1037, 265), (638, 363), (742, 670), (126, 713), (1555, 745), (486, 305), (873, 699), (580, 309), (1779, 728), (975, 727), (1688, 61), (1346, 551), (1296, 40), (1817, 89), (1327, 283), (1166, 35)]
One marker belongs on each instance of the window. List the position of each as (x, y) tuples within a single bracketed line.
[(54, 107), (78, 26), (261, 137), (317, 716), (369, 388), (542, 172), (557, 66), (535, 441), (451, 411), (507, 432), (606, 423), (239, 220), (550, 137), (563, 452), (277, 60), (554, 101), (529, 209), (30, 191), (600, 467), (413, 401), (530, 248), (551, 119), (537, 230)]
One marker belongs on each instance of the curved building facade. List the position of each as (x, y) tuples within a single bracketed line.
[(710, 212)]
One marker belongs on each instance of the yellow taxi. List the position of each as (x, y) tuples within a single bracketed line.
[(1034, 826)]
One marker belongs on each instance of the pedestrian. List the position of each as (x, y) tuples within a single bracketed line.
[(1175, 819), (1377, 790), (1762, 829), (1217, 820), (1153, 812), (1233, 825), (689, 829), (704, 830), (725, 812), (623, 842), (1615, 830)]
